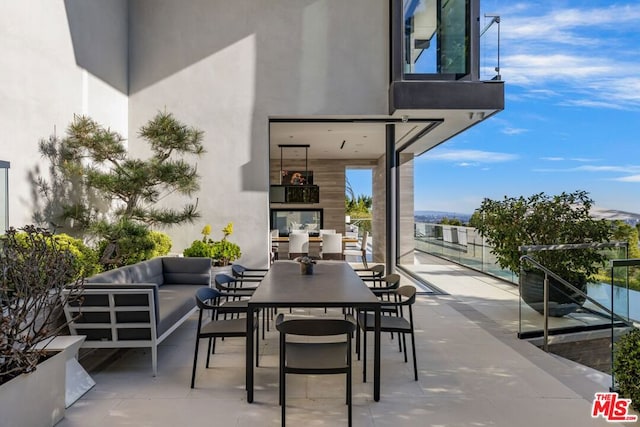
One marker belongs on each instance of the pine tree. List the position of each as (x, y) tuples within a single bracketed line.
[(98, 189)]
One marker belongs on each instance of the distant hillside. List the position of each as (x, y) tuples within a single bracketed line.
[(610, 214), (436, 216)]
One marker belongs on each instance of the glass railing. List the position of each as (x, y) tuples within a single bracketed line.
[(465, 246), (459, 244), (570, 307)]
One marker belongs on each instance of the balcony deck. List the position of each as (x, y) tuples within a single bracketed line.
[(473, 371)]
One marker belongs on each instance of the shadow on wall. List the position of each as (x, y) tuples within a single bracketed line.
[(99, 33), (302, 62)]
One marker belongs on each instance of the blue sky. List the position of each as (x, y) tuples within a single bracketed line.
[(572, 111)]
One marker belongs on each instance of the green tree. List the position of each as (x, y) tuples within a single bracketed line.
[(114, 196), (450, 221)]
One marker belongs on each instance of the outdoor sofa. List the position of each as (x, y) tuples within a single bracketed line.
[(139, 305)]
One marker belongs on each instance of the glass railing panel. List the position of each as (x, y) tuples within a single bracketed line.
[(569, 310)]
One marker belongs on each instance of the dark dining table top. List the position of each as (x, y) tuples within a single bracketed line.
[(332, 284)]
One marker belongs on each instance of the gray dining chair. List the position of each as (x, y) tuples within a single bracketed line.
[(209, 299), (315, 358), (390, 322)]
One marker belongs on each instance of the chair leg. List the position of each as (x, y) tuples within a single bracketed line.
[(257, 346), (349, 386), (208, 352), (357, 337), (195, 361), (404, 344), (415, 363), (364, 352)]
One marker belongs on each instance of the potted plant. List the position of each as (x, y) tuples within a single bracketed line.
[(221, 252), (35, 268), (541, 219)]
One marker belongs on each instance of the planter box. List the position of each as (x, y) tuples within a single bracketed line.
[(37, 398), (562, 301)]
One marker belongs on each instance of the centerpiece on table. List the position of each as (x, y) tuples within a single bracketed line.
[(306, 264)]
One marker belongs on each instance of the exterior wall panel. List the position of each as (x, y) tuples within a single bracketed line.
[(226, 67), (46, 78)]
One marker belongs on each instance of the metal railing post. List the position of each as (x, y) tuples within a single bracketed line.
[(545, 344)]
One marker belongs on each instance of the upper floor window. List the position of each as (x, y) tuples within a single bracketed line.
[(437, 38)]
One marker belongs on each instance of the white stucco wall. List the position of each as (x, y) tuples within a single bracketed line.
[(59, 58), (227, 66)]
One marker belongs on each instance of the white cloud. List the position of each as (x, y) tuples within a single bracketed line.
[(586, 57), (468, 157), (513, 131), (629, 169), (631, 178), (553, 159)]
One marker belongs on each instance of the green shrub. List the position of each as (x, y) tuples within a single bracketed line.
[(85, 259), (162, 243), (198, 249), (224, 251), (626, 366)]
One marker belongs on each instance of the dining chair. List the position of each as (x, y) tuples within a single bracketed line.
[(324, 231), (315, 358), (332, 246), (360, 251), (298, 245), (236, 295), (241, 272), (275, 246), (208, 299), (390, 323), (371, 274)]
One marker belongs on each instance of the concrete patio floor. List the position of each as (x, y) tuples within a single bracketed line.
[(473, 371)]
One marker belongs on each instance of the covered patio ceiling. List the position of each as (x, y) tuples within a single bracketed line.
[(363, 137)]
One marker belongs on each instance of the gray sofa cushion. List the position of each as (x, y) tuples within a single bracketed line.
[(175, 301), (194, 271), (119, 275), (149, 271)]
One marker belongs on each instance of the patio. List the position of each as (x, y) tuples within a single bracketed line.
[(473, 371)]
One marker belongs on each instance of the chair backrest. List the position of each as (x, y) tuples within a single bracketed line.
[(409, 294), (275, 233), (237, 270), (363, 245), (299, 243), (378, 270), (222, 281), (314, 327), (324, 231), (332, 243), (393, 281), (205, 294), (351, 234), (298, 231)]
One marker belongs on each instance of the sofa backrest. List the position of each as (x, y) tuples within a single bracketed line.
[(187, 270)]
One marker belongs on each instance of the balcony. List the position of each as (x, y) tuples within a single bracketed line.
[(473, 370)]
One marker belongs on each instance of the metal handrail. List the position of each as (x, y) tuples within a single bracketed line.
[(548, 273)]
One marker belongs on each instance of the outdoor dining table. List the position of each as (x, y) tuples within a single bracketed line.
[(332, 284)]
